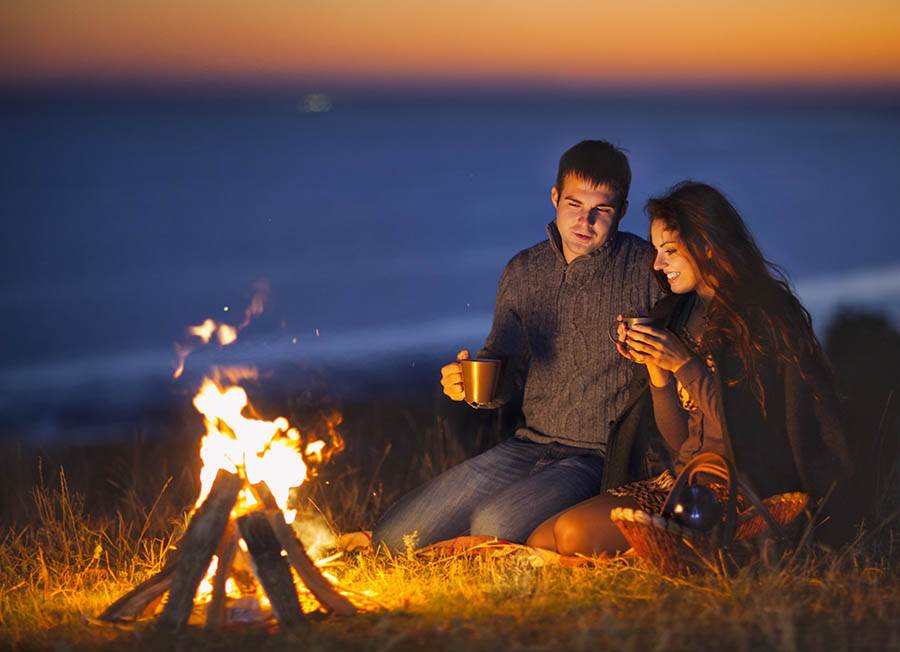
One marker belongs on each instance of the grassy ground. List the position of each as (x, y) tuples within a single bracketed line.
[(80, 525), (53, 587)]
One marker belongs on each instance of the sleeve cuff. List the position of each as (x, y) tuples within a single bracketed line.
[(690, 371), (661, 390)]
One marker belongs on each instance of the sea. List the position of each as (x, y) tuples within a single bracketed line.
[(379, 220)]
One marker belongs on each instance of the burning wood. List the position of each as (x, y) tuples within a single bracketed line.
[(215, 612), (241, 521), (203, 535), (271, 546), (271, 568), (319, 586)]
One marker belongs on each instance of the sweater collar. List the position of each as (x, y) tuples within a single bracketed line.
[(600, 252)]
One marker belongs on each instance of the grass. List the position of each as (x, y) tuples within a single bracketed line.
[(76, 539)]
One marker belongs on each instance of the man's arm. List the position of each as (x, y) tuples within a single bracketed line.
[(507, 340)]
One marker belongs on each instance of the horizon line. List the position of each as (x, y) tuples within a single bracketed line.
[(445, 86)]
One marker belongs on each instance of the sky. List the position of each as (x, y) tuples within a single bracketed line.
[(577, 42)]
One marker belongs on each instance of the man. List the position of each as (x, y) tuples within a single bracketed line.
[(555, 304)]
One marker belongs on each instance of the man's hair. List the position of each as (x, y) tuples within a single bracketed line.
[(598, 162)]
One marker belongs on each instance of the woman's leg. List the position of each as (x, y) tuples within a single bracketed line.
[(543, 536), (584, 529)]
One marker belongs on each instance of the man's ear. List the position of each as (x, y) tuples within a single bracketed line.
[(554, 196), (623, 210)]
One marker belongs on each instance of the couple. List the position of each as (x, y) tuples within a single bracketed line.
[(736, 370)]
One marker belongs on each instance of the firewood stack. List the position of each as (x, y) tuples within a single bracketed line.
[(271, 546)]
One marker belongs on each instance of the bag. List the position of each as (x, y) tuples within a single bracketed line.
[(707, 526)]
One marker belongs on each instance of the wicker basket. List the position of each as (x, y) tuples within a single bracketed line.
[(674, 549)]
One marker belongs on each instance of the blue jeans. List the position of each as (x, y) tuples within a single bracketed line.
[(505, 492)]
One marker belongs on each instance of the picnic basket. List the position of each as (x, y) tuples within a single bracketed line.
[(671, 547)]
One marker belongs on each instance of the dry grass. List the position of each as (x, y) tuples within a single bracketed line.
[(66, 553), (60, 574)]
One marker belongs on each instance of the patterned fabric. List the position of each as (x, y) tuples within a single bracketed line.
[(687, 403), (650, 494), (684, 398), (695, 344)]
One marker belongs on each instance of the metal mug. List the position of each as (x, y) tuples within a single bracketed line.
[(630, 322), (480, 378)]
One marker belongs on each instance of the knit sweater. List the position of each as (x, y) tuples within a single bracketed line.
[(550, 329)]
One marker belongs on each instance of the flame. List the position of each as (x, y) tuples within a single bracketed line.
[(226, 334), (240, 441), (256, 303), (204, 331), (205, 590), (314, 449), (237, 441), (257, 449)]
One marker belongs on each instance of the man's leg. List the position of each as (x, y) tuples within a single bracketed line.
[(442, 508), (514, 512)]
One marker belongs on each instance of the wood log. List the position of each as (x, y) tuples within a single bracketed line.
[(271, 568), (197, 546), (320, 587), (215, 612), (131, 605)]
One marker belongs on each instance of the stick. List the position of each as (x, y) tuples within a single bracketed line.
[(320, 587), (132, 604), (271, 568), (197, 547), (215, 612)]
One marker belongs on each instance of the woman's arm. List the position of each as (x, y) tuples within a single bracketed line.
[(666, 355), (671, 420), (703, 387)]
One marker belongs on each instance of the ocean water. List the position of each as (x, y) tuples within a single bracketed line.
[(381, 224)]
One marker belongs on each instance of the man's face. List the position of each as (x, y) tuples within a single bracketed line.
[(586, 215)]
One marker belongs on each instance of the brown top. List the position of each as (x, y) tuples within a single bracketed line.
[(688, 410)]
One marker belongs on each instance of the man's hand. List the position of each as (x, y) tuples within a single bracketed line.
[(452, 379)]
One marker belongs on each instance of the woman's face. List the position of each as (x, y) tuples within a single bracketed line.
[(673, 260)]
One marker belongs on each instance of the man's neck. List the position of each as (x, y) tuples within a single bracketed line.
[(571, 256)]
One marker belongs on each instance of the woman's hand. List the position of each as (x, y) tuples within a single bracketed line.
[(656, 347), (621, 331)]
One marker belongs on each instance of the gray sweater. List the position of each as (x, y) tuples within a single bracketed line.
[(551, 321)]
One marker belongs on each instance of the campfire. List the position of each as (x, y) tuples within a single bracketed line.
[(239, 553)]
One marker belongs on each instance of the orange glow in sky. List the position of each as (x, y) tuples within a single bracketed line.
[(502, 40)]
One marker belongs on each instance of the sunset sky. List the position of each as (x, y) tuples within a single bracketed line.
[(577, 42)]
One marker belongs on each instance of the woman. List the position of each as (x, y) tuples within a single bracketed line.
[(737, 371)]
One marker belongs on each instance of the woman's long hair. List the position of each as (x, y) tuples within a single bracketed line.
[(754, 312)]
